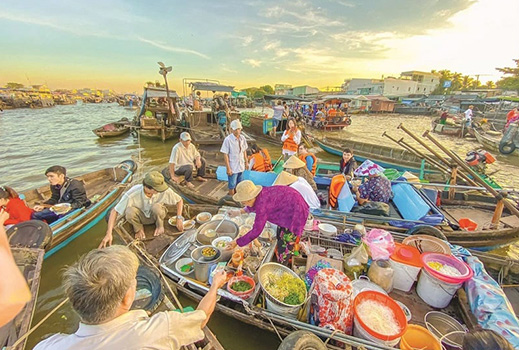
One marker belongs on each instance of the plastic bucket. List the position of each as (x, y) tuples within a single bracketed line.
[(404, 276), (465, 271), (417, 337), (467, 224), (362, 330), (434, 291), (242, 295)]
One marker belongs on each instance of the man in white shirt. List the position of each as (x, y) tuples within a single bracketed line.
[(234, 149), (101, 287), (145, 205), (300, 185), (468, 116), (183, 156)]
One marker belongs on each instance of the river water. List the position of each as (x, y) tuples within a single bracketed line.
[(33, 140)]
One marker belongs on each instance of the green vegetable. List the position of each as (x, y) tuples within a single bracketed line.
[(292, 299), (186, 267), (241, 286)]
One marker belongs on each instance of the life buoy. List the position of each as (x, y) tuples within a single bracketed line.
[(336, 185), (426, 230)]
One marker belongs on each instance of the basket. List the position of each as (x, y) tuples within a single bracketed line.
[(426, 243), (242, 295), (272, 303)]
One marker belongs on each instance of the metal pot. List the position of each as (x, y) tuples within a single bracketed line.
[(202, 265), (227, 228)]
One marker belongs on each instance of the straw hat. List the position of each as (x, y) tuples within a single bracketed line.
[(368, 168), (285, 178), (246, 190), (293, 163)]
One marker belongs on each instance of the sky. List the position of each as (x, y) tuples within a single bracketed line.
[(116, 44)]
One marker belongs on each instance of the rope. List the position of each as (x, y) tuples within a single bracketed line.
[(331, 336), (23, 337), (275, 329)]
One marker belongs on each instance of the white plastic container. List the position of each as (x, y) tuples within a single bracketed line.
[(404, 276), (406, 263), (435, 292), (360, 332)]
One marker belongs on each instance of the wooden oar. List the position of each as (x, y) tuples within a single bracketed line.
[(279, 159), (501, 200)]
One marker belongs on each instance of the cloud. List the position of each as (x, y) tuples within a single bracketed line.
[(224, 68), (252, 62), (247, 40), (173, 49)]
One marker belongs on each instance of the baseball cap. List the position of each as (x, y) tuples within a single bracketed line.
[(185, 136), (235, 125)]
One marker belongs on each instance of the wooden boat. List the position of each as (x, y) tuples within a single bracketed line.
[(491, 142), (385, 156), (253, 311), (103, 187), (114, 129), (157, 120), (30, 261), (447, 129)]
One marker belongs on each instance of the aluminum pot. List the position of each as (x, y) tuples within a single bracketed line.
[(202, 265), (227, 228)]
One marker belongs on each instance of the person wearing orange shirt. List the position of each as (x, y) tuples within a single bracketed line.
[(260, 159)]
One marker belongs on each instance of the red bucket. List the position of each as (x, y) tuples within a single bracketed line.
[(246, 294)]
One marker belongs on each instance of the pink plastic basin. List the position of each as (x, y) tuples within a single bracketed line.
[(464, 269)]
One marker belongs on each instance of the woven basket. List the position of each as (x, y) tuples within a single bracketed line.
[(426, 243), (277, 269)]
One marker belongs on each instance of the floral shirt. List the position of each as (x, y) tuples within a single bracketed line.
[(280, 205), (376, 189)]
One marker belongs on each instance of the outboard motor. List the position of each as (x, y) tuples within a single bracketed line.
[(479, 159)]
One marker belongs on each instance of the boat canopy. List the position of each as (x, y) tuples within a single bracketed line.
[(153, 92), (208, 86), (283, 97)]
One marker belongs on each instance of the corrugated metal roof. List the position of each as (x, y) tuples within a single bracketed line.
[(207, 86), (159, 92)]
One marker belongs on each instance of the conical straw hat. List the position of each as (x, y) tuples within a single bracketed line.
[(293, 163), (285, 178), (246, 190)]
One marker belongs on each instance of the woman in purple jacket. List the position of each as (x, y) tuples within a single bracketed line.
[(280, 205)]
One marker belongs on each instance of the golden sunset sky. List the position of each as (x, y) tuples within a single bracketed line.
[(116, 44)]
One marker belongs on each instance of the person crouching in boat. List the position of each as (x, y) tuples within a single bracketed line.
[(185, 156), (348, 164), (145, 204), (300, 185), (63, 190), (291, 139), (13, 205), (101, 288), (377, 188), (309, 158), (280, 205), (260, 159), (297, 167)]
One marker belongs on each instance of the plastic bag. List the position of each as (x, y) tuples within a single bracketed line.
[(380, 244), (355, 263), (381, 273)]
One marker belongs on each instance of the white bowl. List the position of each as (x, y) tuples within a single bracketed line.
[(61, 208), (182, 262), (188, 224), (203, 215), (238, 220), (327, 229), (225, 239), (218, 217)]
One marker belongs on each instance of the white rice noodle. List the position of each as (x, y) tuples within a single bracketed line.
[(378, 317)]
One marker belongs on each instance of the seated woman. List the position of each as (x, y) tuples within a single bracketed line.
[(348, 164), (259, 160), (377, 188), (12, 204)]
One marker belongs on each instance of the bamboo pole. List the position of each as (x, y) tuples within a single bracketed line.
[(499, 196)]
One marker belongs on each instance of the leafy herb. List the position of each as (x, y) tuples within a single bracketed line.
[(241, 286)]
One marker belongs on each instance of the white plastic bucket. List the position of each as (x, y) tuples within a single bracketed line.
[(360, 332), (435, 292), (404, 276), (288, 311)]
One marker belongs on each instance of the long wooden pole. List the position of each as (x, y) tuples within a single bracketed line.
[(426, 146), (499, 196)]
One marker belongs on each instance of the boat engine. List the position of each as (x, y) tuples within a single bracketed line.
[(479, 159)]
